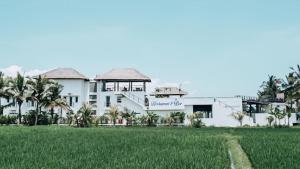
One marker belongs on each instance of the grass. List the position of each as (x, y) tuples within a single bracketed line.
[(272, 148), (238, 156), (72, 148), (155, 148)]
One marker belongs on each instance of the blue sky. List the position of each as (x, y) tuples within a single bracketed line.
[(214, 48)]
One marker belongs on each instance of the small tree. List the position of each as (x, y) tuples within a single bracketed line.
[(270, 120), (289, 115), (152, 118), (142, 120), (128, 116), (84, 115), (196, 119), (239, 116), (113, 112), (170, 120), (278, 114)]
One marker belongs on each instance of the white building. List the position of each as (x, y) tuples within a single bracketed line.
[(127, 88)]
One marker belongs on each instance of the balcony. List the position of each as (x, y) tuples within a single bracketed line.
[(124, 87)]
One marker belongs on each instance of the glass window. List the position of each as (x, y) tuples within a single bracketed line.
[(93, 87), (119, 99), (71, 101), (93, 97), (107, 101)]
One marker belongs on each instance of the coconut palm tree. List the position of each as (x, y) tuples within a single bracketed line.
[(55, 101), (40, 91), (3, 92), (113, 113), (18, 88), (84, 115), (270, 88), (290, 90), (296, 72)]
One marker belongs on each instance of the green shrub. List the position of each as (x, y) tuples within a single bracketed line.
[(29, 118), (7, 120)]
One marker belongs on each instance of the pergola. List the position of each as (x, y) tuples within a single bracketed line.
[(125, 80)]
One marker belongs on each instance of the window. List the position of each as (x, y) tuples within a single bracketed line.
[(93, 87), (107, 101), (93, 97), (119, 99), (14, 102), (205, 109), (71, 101), (76, 99), (93, 104)]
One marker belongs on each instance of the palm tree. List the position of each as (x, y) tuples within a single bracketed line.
[(18, 88), (290, 90), (85, 115), (296, 72), (170, 120), (40, 91), (277, 113), (113, 112), (54, 100), (128, 115), (3, 92), (152, 118), (239, 116), (270, 88), (270, 120), (70, 117), (196, 119)]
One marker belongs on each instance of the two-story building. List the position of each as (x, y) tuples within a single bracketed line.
[(127, 88)]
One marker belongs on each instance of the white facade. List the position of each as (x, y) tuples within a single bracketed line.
[(222, 109), (102, 96)]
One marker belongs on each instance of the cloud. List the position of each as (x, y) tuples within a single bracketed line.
[(14, 69)]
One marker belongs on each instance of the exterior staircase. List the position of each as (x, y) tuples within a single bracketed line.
[(134, 98)]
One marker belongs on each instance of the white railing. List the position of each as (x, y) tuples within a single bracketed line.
[(134, 98)]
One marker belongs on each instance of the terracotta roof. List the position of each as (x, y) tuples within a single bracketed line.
[(127, 74), (64, 73), (168, 91)]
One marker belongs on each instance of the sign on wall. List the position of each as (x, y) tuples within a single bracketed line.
[(166, 104)]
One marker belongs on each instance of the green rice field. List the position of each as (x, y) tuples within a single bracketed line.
[(272, 148), (153, 148)]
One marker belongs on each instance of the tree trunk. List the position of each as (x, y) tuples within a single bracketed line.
[(36, 114), (52, 113), (60, 117), (20, 113), (1, 109)]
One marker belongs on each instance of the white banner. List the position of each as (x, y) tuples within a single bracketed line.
[(166, 104)]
